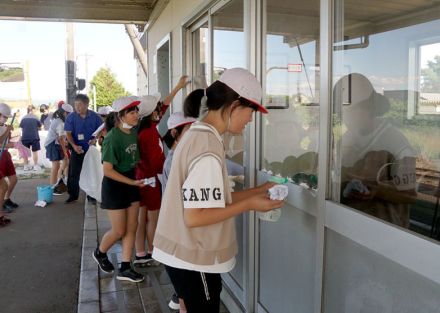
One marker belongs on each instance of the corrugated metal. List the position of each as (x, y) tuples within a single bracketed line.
[(135, 11)]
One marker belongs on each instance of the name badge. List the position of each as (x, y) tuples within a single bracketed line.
[(80, 136)]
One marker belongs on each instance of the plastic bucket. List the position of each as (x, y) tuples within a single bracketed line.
[(45, 193)]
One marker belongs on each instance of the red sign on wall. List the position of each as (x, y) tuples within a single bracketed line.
[(294, 67)]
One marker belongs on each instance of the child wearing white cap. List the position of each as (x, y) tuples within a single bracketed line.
[(150, 166), (177, 125), (55, 144), (7, 168), (120, 189), (195, 235)]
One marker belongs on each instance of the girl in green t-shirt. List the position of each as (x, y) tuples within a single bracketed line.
[(120, 189)]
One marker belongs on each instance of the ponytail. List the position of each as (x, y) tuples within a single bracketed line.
[(218, 96)]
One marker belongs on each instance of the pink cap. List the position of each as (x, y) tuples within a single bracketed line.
[(178, 119), (245, 84)]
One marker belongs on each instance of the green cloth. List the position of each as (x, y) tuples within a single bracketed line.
[(121, 149)]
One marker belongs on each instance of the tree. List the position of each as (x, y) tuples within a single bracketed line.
[(107, 87), (431, 76)]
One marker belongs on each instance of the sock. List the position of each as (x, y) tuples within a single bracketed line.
[(125, 266), (101, 254), (141, 254)]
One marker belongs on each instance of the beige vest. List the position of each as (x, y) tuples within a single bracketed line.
[(198, 245)]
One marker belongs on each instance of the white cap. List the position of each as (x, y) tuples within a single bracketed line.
[(105, 110), (67, 107), (157, 95), (178, 119), (125, 103), (147, 105), (245, 84), (356, 91), (5, 110)]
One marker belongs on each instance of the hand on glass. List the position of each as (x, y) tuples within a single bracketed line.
[(183, 81), (261, 203)]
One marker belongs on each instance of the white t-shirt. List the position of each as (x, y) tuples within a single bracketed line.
[(56, 130)]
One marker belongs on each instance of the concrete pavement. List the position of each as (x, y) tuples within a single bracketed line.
[(40, 254)]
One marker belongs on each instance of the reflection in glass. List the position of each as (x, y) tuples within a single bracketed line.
[(386, 105), (290, 130), (229, 52), (200, 57)]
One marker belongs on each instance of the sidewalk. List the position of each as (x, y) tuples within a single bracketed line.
[(101, 292)]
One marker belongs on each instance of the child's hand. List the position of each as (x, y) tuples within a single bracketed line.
[(266, 186), (183, 81), (261, 203), (139, 183)]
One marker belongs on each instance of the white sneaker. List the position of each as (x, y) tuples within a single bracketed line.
[(27, 167), (37, 168)]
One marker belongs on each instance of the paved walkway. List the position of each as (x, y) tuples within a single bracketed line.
[(40, 254), (101, 292)]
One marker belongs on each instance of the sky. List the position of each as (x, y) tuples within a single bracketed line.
[(43, 44)]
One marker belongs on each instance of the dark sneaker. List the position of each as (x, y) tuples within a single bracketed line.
[(130, 275), (104, 263), (61, 186), (70, 200), (7, 208), (57, 192), (143, 260), (11, 203), (174, 302)]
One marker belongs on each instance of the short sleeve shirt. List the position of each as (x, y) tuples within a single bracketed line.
[(121, 149), (82, 128), (204, 187), (56, 130), (30, 125)]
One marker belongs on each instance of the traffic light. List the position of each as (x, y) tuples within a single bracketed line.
[(80, 84)]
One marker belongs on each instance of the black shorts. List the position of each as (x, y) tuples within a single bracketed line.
[(199, 291), (116, 195), (35, 144)]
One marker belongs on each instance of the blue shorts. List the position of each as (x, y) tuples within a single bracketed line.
[(35, 144), (54, 152)]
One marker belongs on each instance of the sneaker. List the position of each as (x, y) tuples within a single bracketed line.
[(11, 203), (130, 275), (143, 260), (61, 186), (70, 200), (57, 192), (27, 167), (7, 208), (37, 168), (104, 263), (174, 302)]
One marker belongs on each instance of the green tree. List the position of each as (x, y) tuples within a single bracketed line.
[(107, 87), (431, 76)]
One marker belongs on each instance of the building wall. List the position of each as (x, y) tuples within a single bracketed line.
[(169, 21)]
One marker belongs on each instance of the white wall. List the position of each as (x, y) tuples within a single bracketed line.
[(170, 21)]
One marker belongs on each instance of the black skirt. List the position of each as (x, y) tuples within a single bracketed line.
[(116, 195)]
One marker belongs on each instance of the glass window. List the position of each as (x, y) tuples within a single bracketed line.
[(386, 150), (200, 55), (290, 130), (228, 52)]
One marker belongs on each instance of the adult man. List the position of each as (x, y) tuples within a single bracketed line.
[(79, 127), (30, 124)]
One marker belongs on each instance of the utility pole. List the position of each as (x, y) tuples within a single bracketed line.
[(28, 82), (86, 60), (70, 65)]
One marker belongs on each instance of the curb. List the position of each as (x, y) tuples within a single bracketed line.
[(88, 295)]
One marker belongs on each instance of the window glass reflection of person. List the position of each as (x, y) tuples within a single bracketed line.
[(378, 163)]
